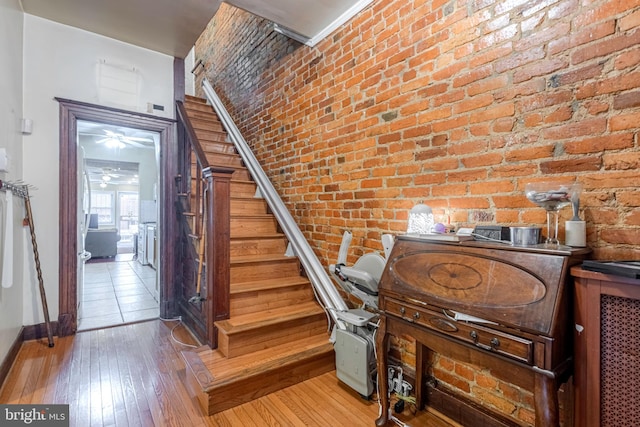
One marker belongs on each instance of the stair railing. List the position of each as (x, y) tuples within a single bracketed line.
[(191, 147), (210, 197), (317, 274)]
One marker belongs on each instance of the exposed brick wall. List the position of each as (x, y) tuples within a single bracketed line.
[(454, 103), (457, 104)]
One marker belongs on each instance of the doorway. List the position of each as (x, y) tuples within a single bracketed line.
[(117, 281), (71, 113)]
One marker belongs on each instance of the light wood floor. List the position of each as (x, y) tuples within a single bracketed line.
[(133, 375)]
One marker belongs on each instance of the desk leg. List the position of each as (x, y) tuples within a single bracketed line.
[(545, 396), (419, 375), (382, 346)]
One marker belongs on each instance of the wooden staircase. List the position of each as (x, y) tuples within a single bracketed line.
[(276, 334)]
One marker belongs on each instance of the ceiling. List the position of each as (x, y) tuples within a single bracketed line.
[(166, 26), (122, 140), (173, 26)]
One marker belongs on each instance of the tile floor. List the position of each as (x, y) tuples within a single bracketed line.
[(116, 292)]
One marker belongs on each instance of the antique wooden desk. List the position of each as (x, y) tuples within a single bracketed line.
[(523, 292)]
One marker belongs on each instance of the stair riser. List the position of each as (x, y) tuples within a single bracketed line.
[(200, 111), (218, 147), (248, 207), (244, 226), (207, 133), (252, 302), (270, 336), (250, 272), (254, 387), (242, 188), (243, 247), (210, 135), (227, 160)]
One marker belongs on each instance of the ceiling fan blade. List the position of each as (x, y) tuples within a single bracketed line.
[(103, 140)]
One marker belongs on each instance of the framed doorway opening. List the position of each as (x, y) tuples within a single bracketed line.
[(70, 113)]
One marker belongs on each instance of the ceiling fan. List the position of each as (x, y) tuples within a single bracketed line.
[(120, 140)]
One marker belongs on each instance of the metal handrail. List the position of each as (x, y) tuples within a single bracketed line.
[(317, 274)]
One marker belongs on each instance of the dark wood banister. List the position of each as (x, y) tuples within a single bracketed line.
[(201, 158), (191, 134), (217, 188)]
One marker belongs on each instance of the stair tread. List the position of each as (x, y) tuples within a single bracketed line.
[(224, 371), (262, 236), (250, 321), (259, 285), (194, 99), (252, 216), (248, 259), (247, 198)]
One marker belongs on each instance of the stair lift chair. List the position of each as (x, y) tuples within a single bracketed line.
[(354, 346)]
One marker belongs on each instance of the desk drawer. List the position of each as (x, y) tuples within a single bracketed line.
[(483, 337)]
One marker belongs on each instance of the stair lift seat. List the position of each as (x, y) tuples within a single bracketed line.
[(354, 345)]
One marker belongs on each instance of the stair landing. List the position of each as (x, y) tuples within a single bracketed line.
[(220, 383)]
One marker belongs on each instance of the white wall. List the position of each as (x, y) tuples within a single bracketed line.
[(60, 61), (11, 26)]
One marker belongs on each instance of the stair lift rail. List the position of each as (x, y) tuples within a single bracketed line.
[(322, 283)]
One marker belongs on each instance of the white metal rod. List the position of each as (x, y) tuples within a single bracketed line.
[(319, 277)]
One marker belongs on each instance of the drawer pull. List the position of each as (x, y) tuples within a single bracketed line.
[(416, 315), (443, 325), (495, 343), (402, 310), (474, 336)]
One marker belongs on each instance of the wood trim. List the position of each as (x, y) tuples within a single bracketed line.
[(178, 79), (467, 412), (11, 356), (191, 135), (70, 112), (35, 332)]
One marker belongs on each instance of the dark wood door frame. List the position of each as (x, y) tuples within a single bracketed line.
[(70, 113)]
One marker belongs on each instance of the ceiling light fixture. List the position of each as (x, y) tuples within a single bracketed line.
[(106, 178), (103, 185), (114, 143)]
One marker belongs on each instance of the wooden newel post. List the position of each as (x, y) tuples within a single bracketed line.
[(218, 226)]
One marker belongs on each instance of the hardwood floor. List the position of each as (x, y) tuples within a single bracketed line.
[(134, 375)]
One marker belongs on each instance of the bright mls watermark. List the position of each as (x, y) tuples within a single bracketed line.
[(34, 415)]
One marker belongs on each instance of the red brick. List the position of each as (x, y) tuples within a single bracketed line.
[(602, 12), (452, 380), (628, 198), (495, 112), (593, 126), (621, 161), (448, 190), (480, 160), (487, 85), (490, 187), (486, 381), (473, 103), (624, 121), (519, 59), (494, 400), (606, 47), (620, 236), (599, 144)]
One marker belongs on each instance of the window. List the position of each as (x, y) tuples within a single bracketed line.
[(102, 203), (128, 218)]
